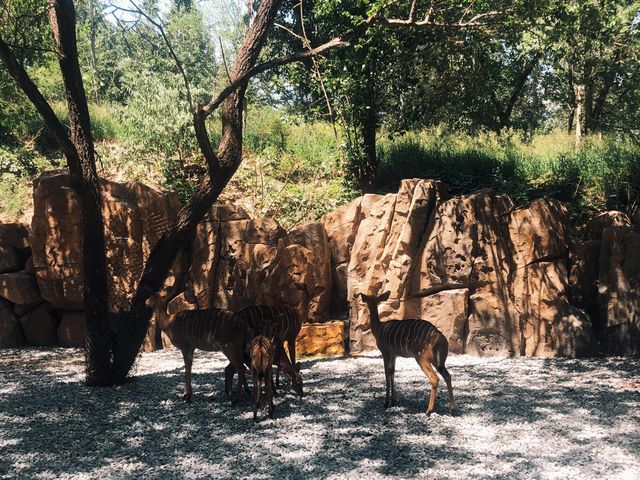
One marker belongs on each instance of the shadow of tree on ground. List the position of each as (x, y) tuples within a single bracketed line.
[(518, 418)]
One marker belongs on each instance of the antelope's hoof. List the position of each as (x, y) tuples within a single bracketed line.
[(186, 398)]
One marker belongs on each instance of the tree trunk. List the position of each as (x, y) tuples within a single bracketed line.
[(85, 181), (579, 91), (92, 44), (368, 178)]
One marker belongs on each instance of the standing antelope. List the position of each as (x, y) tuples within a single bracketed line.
[(211, 329), (410, 338), (261, 353), (281, 360)]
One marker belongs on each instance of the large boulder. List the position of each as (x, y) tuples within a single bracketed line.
[(205, 253), (11, 335), (20, 288), (549, 325), (14, 235), (341, 226), (9, 259), (39, 327), (72, 329), (468, 248), (134, 216), (303, 257), (491, 277), (248, 249), (619, 288), (595, 227)]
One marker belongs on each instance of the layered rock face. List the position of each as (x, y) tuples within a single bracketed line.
[(605, 281), (493, 278), (44, 287), (236, 261)]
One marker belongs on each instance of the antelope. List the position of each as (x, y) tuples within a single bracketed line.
[(261, 354), (283, 322), (281, 360), (211, 329), (410, 338)]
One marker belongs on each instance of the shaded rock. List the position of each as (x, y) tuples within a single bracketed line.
[(134, 215), (248, 249), (583, 281), (549, 325), (28, 266), (14, 235), (9, 259), (20, 288), (594, 227), (365, 272), (11, 335), (72, 329), (205, 253), (21, 310), (39, 327), (303, 257), (341, 226), (619, 288), (321, 339)]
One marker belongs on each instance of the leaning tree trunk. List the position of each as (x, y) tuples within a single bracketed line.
[(222, 166)]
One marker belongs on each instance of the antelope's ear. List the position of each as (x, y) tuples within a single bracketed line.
[(364, 297), (300, 286), (384, 297)]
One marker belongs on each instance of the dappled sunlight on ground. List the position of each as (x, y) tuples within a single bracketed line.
[(518, 418)]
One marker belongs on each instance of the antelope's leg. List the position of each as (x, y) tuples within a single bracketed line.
[(392, 375), (291, 344), (187, 355), (447, 378), (388, 375), (424, 360), (279, 350), (268, 387), (229, 372), (256, 393)]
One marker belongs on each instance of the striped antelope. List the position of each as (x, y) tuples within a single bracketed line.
[(211, 330), (410, 338), (281, 360), (261, 353)]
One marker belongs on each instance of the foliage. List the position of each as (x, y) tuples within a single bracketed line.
[(603, 174)]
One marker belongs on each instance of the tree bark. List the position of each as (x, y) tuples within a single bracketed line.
[(85, 181), (368, 178), (579, 91)]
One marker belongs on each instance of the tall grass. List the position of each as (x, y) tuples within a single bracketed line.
[(603, 174)]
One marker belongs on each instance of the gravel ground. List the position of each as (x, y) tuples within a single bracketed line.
[(518, 418)]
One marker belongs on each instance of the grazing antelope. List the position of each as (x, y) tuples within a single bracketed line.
[(211, 329), (261, 353), (283, 323), (410, 338)]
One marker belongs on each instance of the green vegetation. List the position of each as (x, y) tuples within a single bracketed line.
[(541, 102), (604, 173)]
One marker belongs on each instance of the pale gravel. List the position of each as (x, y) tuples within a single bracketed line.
[(518, 418)]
